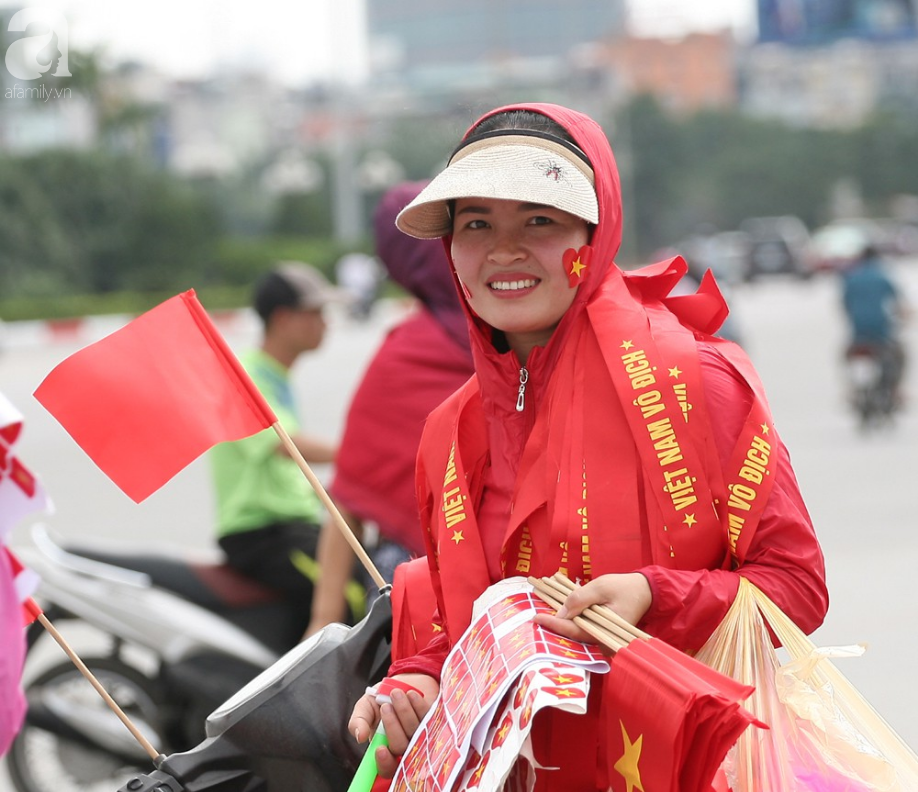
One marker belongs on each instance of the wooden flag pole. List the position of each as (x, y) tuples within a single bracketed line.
[(352, 540), (155, 755)]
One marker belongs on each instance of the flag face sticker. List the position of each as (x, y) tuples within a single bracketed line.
[(150, 398)]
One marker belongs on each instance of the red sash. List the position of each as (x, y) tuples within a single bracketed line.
[(585, 501)]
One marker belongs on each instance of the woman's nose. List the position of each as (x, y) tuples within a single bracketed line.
[(506, 249)]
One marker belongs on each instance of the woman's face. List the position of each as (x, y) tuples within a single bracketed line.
[(508, 256)]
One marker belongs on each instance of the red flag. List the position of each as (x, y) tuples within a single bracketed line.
[(673, 718), (12, 655), (10, 422), (153, 396), (25, 581), (21, 494)]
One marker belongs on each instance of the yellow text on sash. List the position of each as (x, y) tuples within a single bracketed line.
[(679, 484), (453, 499), (743, 493)]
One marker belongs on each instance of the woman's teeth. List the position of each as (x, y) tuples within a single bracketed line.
[(513, 285)]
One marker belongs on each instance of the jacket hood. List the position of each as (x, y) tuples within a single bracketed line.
[(418, 265), (606, 235)]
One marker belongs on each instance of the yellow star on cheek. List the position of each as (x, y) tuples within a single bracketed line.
[(628, 764), (457, 536), (627, 344), (577, 267)]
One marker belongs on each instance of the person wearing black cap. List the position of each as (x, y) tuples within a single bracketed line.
[(268, 516)]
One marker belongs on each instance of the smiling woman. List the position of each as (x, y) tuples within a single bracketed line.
[(601, 436)]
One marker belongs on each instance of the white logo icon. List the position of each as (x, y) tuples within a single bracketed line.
[(30, 57)]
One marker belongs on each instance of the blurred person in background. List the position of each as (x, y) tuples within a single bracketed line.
[(422, 360), (268, 515), (875, 309), (359, 275)]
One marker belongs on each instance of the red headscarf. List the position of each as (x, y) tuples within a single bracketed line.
[(584, 497)]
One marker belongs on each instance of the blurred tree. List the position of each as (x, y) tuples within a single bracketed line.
[(303, 214), (422, 144), (98, 223), (883, 156), (652, 153), (718, 167)]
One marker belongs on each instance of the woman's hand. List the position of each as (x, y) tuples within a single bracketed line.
[(400, 718), (628, 595)]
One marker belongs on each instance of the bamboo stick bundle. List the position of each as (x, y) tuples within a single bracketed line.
[(599, 621)]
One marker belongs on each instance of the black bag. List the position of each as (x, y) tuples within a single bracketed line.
[(287, 728)]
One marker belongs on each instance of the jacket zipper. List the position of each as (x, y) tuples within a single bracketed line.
[(521, 397)]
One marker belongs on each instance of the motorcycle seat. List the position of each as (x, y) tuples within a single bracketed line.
[(212, 585)]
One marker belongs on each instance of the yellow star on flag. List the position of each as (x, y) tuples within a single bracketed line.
[(764, 428), (628, 764), (577, 266), (457, 536), (627, 344), (675, 372), (690, 520)]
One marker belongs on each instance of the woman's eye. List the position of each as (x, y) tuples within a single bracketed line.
[(539, 220), (477, 224)]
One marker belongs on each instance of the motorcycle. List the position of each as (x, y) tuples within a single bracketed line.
[(871, 378), (171, 640)]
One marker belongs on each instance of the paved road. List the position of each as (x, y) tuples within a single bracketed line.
[(858, 488)]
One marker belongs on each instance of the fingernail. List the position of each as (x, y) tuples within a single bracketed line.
[(562, 612), (357, 734)]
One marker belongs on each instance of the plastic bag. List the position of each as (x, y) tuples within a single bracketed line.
[(823, 735)]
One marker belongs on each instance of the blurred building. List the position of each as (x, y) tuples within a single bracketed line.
[(832, 85), (816, 22), (831, 63), (439, 45), (685, 74)]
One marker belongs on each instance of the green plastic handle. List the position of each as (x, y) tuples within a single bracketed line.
[(367, 771)]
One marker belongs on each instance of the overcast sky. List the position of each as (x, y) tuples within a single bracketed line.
[(296, 41)]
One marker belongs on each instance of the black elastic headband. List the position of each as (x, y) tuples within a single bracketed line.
[(524, 132)]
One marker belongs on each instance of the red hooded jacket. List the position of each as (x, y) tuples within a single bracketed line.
[(645, 445)]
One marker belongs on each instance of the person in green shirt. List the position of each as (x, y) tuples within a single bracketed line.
[(268, 515)]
